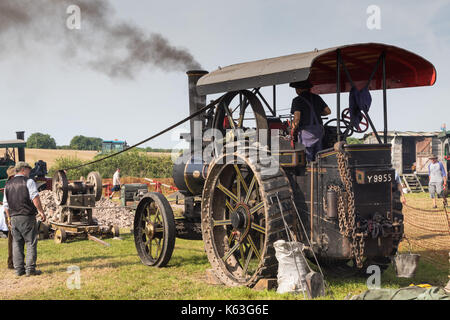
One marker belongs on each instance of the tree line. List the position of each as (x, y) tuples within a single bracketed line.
[(40, 140)]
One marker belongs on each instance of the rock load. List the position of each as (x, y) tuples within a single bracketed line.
[(112, 213), (49, 204), (108, 213)]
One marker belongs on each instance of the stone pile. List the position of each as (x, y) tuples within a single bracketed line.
[(112, 213), (108, 212), (49, 204)]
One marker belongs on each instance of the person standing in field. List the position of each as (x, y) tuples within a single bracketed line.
[(21, 203), (399, 186), (116, 183), (11, 172), (437, 179)]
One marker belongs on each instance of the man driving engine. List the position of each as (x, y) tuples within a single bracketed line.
[(307, 109)]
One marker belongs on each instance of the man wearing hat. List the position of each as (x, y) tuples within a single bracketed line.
[(308, 108), (437, 178), (21, 202)]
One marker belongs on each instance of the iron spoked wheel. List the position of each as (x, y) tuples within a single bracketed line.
[(363, 126), (154, 230), (95, 179), (60, 236), (237, 113), (346, 131), (232, 115), (239, 220), (60, 187)]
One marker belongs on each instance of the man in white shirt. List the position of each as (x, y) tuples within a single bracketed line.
[(437, 179), (116, 183)]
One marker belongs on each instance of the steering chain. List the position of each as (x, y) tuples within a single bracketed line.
[(347, 218)]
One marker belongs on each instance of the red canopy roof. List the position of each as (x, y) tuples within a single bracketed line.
[(403, 69)]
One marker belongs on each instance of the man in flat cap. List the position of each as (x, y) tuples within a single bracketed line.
[(308, 108), (21, 202), (437, 178)]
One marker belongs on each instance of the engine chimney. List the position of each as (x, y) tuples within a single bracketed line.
[(21, 151), (196, 101)]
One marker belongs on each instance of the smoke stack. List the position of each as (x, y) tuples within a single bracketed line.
[(20, 135), (196, 101)]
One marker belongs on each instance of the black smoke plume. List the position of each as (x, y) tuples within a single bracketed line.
[(116, 48)]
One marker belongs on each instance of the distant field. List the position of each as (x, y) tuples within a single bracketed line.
[(49, 155)]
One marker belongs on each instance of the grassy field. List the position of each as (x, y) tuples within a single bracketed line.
[(116, 273)]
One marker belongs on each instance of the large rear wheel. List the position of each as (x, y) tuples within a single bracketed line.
[(241, 218)]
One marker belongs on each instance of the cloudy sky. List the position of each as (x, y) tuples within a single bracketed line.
[(43, 88)]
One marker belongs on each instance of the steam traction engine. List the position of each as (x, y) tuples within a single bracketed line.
[(344, 206)]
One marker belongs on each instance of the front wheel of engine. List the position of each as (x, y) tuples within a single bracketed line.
[(154, 230)]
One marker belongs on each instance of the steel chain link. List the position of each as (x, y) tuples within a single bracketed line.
[(347, 216)]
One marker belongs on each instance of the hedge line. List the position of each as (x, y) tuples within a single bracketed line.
[(132, 163)]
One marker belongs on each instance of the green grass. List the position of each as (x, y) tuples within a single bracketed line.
[(117, 273)]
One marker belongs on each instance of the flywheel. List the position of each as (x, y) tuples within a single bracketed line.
[(60, 187), (95, 180)]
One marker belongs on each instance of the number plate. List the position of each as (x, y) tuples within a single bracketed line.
[(374, 176)]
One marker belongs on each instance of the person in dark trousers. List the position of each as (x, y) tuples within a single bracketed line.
[(116, 183), (21, 203), (437, 179), (308, 108), (10, 172)]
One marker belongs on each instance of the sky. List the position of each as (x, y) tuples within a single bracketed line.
[(43, 91)]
